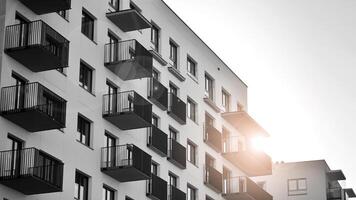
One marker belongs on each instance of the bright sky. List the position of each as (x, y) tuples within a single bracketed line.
[(299, 61)]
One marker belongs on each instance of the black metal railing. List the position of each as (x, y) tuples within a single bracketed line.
[(177, 153), (175, 193), (158, 140), (129, 101), (156, 188), (213, 178), (37, 34), (158, 93), (126, 156), (33, 96), (334, 193), (213, 137), (177, 108), (22, 163)]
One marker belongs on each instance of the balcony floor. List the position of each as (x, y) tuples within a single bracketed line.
[(125, 174), (127, 121), (46, 6), (29, 185), (128, 70), (129, 20), (36, 58), (239, 196), (32, 120)]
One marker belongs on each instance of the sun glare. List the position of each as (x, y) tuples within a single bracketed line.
[(260, 144)]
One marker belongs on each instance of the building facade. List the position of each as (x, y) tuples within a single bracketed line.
[(304, 181), (119, 99)]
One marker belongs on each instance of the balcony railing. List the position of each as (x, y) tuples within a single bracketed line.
[(127, 110), (177, 109), (177, 154), (37, 46), (128, 60), (252, 162), (334, 194), (31, 171), (213, 178), (33, 107), (244, 188), (128, 20), (157, 188), (158, 94), (126, 163), (212, 137), (157, 140), (175, 194), (44, 6)]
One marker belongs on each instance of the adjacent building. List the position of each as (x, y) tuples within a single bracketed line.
[(305, 180), (119, 99)]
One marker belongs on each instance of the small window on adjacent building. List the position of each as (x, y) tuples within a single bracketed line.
[(155, 34), (81, 186), (83, 130), (209, 87), (108, 193), (86, 77), (192, 193), (88, 23), (191, 109), (297, 186), (191, 66), (173, 53), (225, 100), (192, 152)]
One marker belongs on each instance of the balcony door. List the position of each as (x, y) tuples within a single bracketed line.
[(14, 157), (19, 92), (23, 30), (45, 168), (112, 92), (226, 180), (113, 47), (110, 144)]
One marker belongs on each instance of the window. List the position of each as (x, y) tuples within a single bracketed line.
[(108, 193), (173, 54), (226, 179), (81, 186), (297, 186), (154, 168), (209, 87), (191, 193), (173, 180), (191, 109), (63, 14), (88, 25), (173, 134), (225, 99), (209, 120), (225, 140), (83, 130), (155, 32), (192, 153), (114, 4), (20, 83), (155, 74), (86, 77), (173, 89), (209, 161), (113, 39), (192, 66), (155, 120)]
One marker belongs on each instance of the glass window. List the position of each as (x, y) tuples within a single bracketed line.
[(85, 77), (81, 186), (154, 168), (173, 180), (83, 130), (192, 66), (191, 193), (209, 87), (63, 14), (114, 4), (297, 186), (155, 37), (209, 160), (191, 109), (88, 25), (108, 194), (155, 74), (225, 100), (192, 152), (155, 120), (173, 134), (173, 53), (173, 89)]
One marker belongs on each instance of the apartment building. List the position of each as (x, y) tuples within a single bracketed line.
[(305, 180), (119, 99)]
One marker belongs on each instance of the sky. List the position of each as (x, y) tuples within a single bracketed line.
[(298, 59)]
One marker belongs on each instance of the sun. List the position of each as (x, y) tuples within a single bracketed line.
[(261, 144)]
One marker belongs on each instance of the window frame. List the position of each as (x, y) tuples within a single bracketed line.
[(89, 29), (225, 101), (106, 190), (194, 191), (82, 119), (155, 31), (88, 77), (297, 191), (192, 152), (174, 53), (83, 181), (190, 61), (192, 109), (209, 89)]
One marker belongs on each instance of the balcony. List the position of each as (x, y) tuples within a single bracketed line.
[(334, 194), (44, 6), (175, 194), (126, 163), (156, 188), (128, 59), (37, 46), (33, 107), (213, 179), (158, 94), (128, 20), (243, 188), (244, 123), (212, 137), (177, 108), (127, 110), (177, 154), (157, 140), (31, 171)]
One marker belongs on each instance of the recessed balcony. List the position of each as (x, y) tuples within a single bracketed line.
[(126, 163), (243, 188), (177, 109), (37, 46), (213, 138), (128, 59), (33, 107), (31, 171), (128, 20), (175, 193), (127, 110), (44, 6), (213, 179), (157, 188), (158, 94), (177, 154), (157, 140)]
